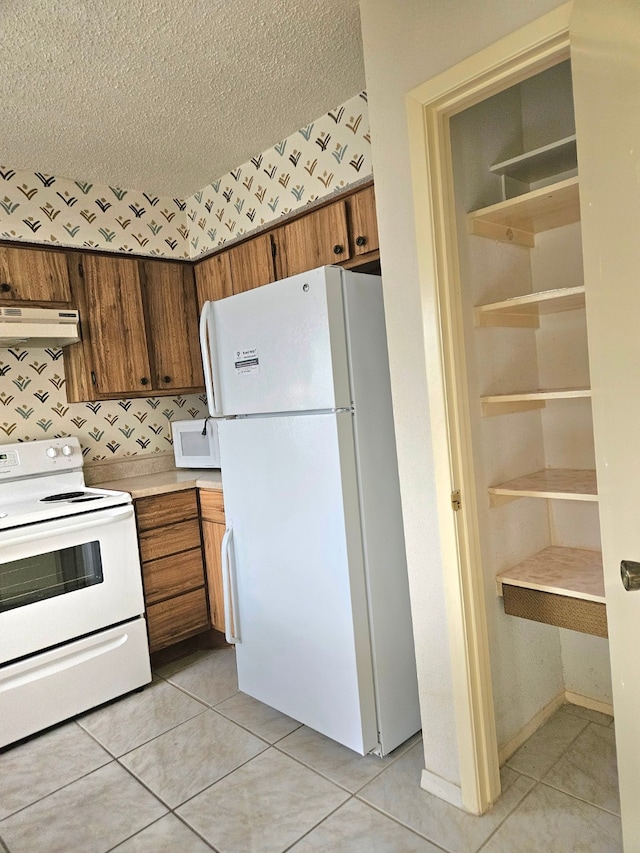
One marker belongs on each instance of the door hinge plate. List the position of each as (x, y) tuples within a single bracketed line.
[(456, 502)]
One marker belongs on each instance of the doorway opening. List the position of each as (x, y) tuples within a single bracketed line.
[(498, 215)]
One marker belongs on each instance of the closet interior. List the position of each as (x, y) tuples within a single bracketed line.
[(526, 359)]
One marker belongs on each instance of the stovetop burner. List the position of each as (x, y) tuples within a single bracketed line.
[(41, 481), (63, 496)]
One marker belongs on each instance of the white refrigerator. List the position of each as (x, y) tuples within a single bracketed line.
[(314, 568)]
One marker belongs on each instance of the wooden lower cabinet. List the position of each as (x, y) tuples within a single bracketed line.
[(213, 527), (173, 573), (177, 619)]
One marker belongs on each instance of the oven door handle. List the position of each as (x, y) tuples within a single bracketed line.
[(98, 519), (229, 591)]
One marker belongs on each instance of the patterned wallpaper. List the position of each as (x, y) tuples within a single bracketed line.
[(41, 208), (323, 158), (319, 160), (33, 405)]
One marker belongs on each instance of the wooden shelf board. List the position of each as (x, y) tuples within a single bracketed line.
[(518, 220), (557, 157), (574, 572), (504, 404), (526, 310), (555, 483)]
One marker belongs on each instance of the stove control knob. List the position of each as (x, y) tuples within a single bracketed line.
[(52, 452), (67, 450)]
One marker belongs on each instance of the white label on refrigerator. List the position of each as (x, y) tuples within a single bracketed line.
[(247, 361)]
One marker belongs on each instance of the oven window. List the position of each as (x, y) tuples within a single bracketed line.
[(43, 576)]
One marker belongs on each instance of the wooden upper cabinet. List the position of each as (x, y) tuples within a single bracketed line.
[(312, 241), (169, 298), (34, 275), (252, 263), (139, 326), (363, 222), (239, 268), (116, 317), (213, 278)]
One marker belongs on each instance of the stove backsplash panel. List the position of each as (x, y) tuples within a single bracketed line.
[(33, 405)]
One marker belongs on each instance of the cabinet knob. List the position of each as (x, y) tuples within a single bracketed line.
[(144, 381), (4, 287), (338, 249), (166, 379), (360, 240)]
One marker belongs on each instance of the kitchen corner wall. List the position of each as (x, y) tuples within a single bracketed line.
[(33, 405), (323, 158)]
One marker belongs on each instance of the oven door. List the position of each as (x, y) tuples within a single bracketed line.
[(66, 578)]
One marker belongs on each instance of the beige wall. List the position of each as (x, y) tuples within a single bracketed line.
[(406, 44)]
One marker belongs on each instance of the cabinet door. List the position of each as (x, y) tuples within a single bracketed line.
[(242, 267), (31, 275), (213, 527), (116, 319), (363, 222), (212, 533), (251, 263), (170, 301), (213, 278), (312, 241), (177, 619)]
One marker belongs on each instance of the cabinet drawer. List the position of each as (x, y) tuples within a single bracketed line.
[(161, 542), (212, 505), (160, 510), (176, 619), (172, 575)]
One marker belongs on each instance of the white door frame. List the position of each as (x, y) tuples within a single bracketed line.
[(535, 47)]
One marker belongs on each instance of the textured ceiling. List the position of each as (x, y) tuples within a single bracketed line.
[(167, 95)]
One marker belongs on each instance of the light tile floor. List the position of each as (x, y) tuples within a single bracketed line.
[(190, 764)]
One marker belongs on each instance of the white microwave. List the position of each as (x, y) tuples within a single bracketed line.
[(195, 443)]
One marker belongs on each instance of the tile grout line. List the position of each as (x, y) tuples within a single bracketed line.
[(110, 760), (401, 823), (565, 751), (510, 813), (580, 799)]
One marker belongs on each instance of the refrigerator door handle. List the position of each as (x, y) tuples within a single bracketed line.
[(231, 627), (207, 345)]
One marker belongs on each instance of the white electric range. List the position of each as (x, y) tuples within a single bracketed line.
[(72, 627)]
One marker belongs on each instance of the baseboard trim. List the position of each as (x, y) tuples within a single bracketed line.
[(441, 788), (513, 744), (586, 702), (566, 696)]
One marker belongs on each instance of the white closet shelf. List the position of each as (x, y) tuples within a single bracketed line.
[(558, 586), (574, 572), (526, 310), (518, 220), (505, 404), (538, 164), (556, 483)]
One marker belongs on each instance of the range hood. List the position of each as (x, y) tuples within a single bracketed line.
[(38, 327)]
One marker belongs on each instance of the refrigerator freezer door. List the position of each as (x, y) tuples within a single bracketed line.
[(281, 347), (291, 500)]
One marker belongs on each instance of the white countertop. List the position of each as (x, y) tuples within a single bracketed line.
[(179, 479)]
